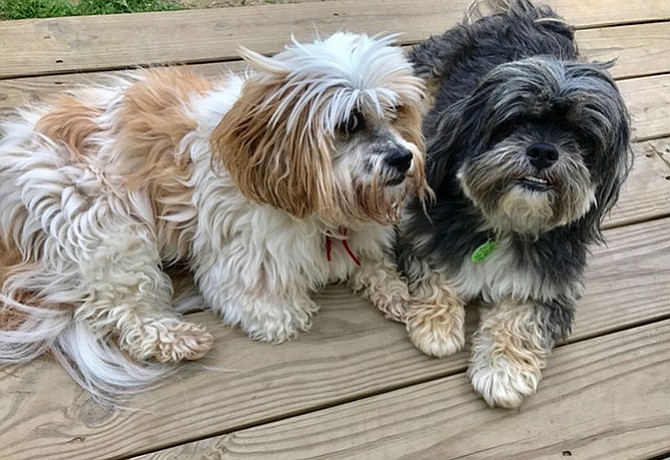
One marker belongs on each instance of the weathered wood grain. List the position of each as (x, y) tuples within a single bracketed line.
[(646, 194), (648, 100), (640, 49), (94, 42), (661, 149), (607, 398), (19, 91), (351, 352), (48, 46), (604, 396), (598, 13)]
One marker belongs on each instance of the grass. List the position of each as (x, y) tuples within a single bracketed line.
[(24, 9)]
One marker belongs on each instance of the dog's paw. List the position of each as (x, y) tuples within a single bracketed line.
[(171, 340), (282, 325), (275, 332), (437, 330), (182, 341), (503, 383), (435, 340), (393, 308)]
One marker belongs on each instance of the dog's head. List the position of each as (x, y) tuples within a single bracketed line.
[(542, 143), (331, 128)]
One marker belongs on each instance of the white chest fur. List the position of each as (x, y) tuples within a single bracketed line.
[(501, 276)]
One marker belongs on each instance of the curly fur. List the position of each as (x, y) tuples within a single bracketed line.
[(505, 87), (243, 181)]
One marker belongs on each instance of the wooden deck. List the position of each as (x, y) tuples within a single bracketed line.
[(354, 387)]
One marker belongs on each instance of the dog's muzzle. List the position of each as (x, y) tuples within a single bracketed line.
[(541, 156), (398, 161)]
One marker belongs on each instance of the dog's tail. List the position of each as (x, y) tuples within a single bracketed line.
[(96, 364), (31, 327)]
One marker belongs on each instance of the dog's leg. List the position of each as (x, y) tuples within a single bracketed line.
[(269, 310), (436, 316), (128, 294), (379, 281), (512, 346)]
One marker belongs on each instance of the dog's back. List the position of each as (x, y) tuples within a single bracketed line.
[(452, 64)]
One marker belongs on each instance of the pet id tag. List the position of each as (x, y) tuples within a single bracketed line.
[(484, 250)]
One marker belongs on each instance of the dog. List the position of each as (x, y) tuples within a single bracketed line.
[(526, 151), (265, 187)]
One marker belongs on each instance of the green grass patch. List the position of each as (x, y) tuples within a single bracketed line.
[(25, 9)]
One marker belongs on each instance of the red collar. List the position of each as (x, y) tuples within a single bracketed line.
[(345, 243)]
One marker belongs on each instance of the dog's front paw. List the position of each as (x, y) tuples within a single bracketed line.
[(171, 340), (280, 324), (393, 308), (436, 331), (503, 383)]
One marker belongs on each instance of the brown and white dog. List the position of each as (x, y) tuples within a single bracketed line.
[(266, 187)]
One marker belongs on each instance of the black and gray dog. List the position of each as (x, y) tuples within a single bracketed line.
[(527, 151)]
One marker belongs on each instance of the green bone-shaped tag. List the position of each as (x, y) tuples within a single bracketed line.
[(484, 250)]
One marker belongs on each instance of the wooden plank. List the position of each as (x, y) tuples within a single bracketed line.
[(648, 98), (660, 148), (96, 42), (641, 49), (54, 46), (601, 13), (351, 352), (606, 398), (19, 91), (613, 269), (646, 194)]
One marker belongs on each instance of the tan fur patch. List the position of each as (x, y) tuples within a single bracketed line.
[(408, 124), (436, 316), (513, 332), (286, 168), (70, 121), (509, 352), (11, 262), (152, 121)]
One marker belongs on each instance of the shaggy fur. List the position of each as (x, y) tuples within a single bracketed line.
[(527, 149), (266, 188)]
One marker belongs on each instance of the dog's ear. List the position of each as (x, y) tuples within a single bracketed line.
[(273, 150), (613, 176), (451, 134), (612, 127)]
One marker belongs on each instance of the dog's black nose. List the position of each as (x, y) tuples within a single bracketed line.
[(399, 158), (542, 155)]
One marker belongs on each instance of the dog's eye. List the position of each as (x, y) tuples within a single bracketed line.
[(352, 124), (502, 132)]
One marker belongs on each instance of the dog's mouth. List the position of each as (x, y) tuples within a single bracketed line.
[(534, 183)]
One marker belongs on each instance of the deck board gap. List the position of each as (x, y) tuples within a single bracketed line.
[(641, 220), (389, 389), (640, 75), (633, 22), (664, 456)]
